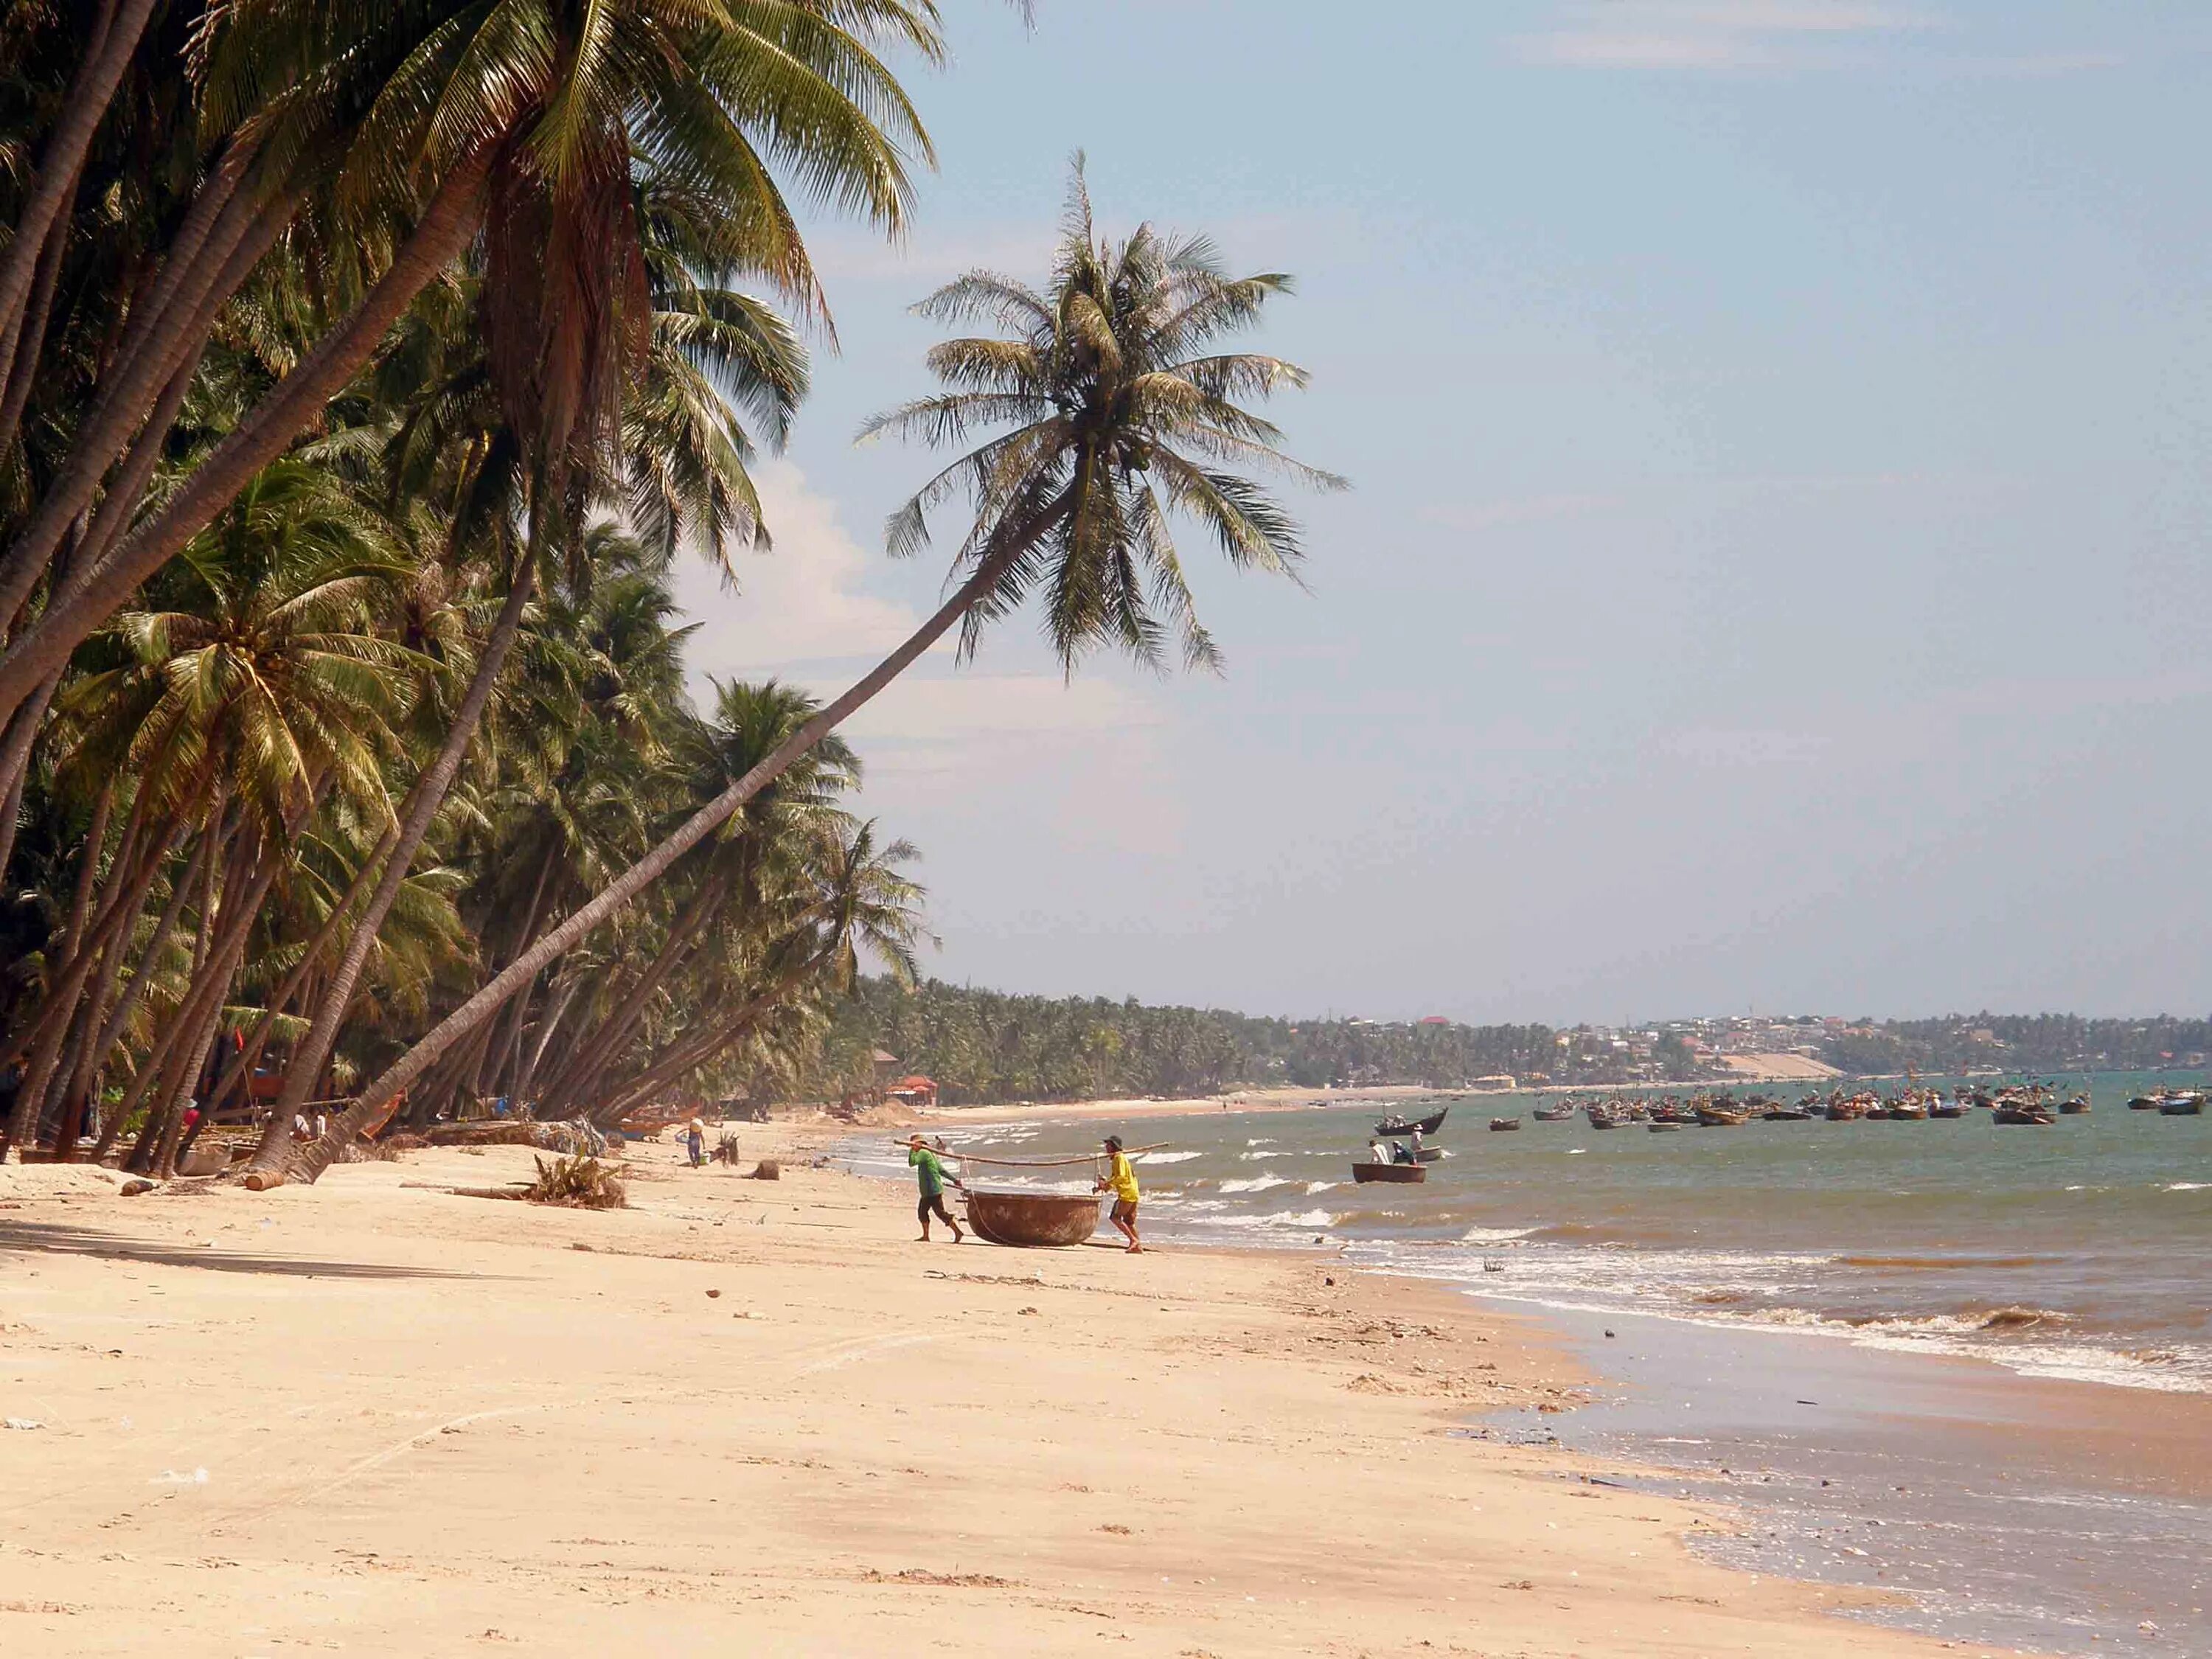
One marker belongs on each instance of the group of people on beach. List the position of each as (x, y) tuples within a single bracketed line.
[(927, 1159)]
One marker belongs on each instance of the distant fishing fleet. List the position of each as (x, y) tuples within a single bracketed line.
[(1402, 1152), (2025, 1104)]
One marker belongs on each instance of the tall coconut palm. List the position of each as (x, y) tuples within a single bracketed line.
[(1108, 381), (518, 124)]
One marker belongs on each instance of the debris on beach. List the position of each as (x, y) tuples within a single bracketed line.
[(577, 1183)]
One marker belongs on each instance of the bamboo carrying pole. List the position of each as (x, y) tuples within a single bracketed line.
[(1045, 1164)]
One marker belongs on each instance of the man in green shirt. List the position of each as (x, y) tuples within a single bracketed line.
[(931, 1175)]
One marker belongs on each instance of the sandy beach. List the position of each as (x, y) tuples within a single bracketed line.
[(372, 1416)]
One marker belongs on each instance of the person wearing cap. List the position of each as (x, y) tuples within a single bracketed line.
[(1122, 1181), (930, 1174)]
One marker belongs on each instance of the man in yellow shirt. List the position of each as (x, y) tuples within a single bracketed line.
[(1122, 1181)]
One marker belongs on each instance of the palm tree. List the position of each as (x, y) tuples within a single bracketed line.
[(1107, 382), (419, 128)]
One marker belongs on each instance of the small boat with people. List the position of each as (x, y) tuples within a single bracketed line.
[(1502, 1123), (1363, 1173), (1427, 1126)]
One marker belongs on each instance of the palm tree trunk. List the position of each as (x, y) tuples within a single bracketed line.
[(554, 1015), (180, 315), (438, 236), (374, 1104), (28, 345), (15, 760), (697, 1051), (429, 795), (114, 38), (592, 1054)]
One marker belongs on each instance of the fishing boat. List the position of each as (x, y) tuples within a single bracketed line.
[(1785, 1114), (1720, 1117), (1427, 1126), (1552, 1114), (1399, 1172), (1953, 1110), (1427, 1154), (2143, 1103), (1032, 1218), (1666, 1128), (1505, 1123), (1908, 1111), (2076, 1107), (1604, 1120), (2180, 1105), (2023, 1115)]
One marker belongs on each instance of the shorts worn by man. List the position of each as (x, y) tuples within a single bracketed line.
[(929, 1175), (1121, 1179)]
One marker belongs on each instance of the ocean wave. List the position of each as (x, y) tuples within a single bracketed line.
[(1263, 1140), (1313, 1187), (1495, 1235), (2185, 1186), (1257, 1184), (1164, 1158), (1304, 1221), (1256, 1157)]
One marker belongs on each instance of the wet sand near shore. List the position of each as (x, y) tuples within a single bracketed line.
[(373, 1417), (2060, 1515)]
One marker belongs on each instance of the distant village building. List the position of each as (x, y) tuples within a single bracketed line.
[(916, 1091)]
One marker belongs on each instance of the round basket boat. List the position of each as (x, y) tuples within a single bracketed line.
[(1033, 1219)]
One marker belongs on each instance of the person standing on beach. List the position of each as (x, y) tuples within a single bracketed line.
[(694, 1142), (1122, 1180), (930, 1174)]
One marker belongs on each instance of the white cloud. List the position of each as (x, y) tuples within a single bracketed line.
[(808, 611), (1705, 34), (807, 602)]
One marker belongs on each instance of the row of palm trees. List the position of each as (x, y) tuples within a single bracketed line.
[(362, 370)]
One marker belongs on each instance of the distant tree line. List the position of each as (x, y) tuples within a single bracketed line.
[(986, 1046), (2029, 1043)]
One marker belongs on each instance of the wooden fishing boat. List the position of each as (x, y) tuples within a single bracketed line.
[(1505, 1123), (2023, 1115), (1604, 1120), (1399, 1172), (1427, 1126), (2143, 1103), (1785, 1114), (1908, 1111), (1427, 1154), (1946, 1111), (1666, 1128), (1032, 1218), (1720, 1117), (2181, 1106), (1552, 1114), (2076, 1108)]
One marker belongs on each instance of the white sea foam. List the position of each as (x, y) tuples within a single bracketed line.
[(1256, 1157), (1313, 1187), (2186, 1186), (1257, 1184), (1165, 1157), (1264, 1140), (1304, 1221), (1495, 1235)]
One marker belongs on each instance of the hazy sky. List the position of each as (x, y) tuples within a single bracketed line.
[(1777, 570)]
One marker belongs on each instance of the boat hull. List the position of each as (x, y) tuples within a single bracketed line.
[(1389, 1172), (1504, 1124), (2182, 1109), (1427, 1126), (1033, 1219)]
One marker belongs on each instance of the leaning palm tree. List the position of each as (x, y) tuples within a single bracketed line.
[(1121, 411)]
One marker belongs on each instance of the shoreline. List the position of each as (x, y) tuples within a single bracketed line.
[(430, 1423)]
